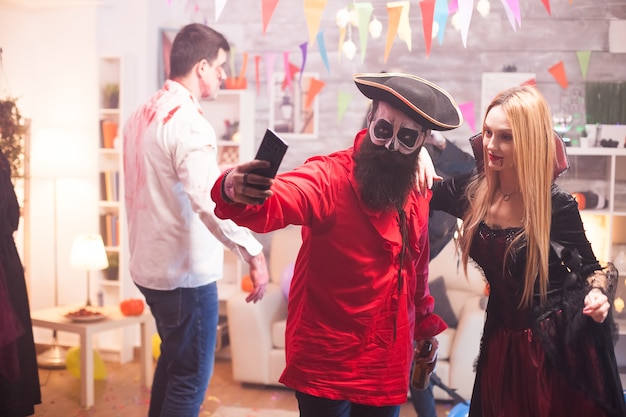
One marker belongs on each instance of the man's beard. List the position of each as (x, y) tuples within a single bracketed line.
[(385, 178)]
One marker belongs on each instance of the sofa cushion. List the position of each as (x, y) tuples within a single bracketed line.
[(442, 304), (445, 339), (278, 334)]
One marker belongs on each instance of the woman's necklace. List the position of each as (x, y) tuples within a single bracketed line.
[(507, 196)]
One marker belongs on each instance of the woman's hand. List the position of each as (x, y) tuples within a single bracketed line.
[(426, 173), (596, 305)]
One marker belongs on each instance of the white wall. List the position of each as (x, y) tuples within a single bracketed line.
[(49, 62)]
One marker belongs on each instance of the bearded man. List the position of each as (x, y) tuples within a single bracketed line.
[(359, 295)]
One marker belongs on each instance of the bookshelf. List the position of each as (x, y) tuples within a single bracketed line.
[(115, 282), (232, 115)]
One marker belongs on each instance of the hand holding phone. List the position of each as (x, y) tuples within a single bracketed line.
[(272, 149)]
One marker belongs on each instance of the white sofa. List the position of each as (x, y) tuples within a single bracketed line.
[(257, 330)]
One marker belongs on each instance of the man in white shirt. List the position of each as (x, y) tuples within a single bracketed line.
[(176, 252)]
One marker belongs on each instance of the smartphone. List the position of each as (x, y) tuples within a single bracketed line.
[(272, 149)]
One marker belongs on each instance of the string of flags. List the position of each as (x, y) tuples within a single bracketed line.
[(364, 19)]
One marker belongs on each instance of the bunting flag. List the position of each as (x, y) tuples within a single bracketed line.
[(428, 12), (530, 81), (511, 7), (546, 3), (404, 26), (315, 86), (453, 7), (583, 62), (343, 100), (322, 47), (270, 60), (467, 110), (558, 72), (313, 10), (257, 75), (441, 17), (290, 73), (364, 13), (466, 9), (342, 38), (219, 7), (268, 7), (303, 49), (394, 19)]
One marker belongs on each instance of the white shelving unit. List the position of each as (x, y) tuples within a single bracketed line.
[(115, 282), (603, 172), (235, 144)]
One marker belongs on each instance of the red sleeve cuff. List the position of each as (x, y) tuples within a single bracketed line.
[(429, 326)]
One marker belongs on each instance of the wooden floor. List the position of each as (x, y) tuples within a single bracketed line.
[(119, 395)]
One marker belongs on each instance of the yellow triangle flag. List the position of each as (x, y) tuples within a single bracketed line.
[(313, 12), (394, 19), (343, 99), (404, 27), (583, 62)]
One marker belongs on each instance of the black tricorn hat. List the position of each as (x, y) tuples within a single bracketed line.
[(425, 102)]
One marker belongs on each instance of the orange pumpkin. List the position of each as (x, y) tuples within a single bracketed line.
[(246, 284), (132, 307)]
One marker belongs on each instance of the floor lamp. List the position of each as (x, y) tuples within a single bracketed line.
[(88, 253), (54, 357)]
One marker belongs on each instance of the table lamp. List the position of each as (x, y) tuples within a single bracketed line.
[(88, 254)]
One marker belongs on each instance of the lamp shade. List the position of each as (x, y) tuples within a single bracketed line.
[(88, 253)]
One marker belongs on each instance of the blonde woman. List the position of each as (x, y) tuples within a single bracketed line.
[(547, 347)]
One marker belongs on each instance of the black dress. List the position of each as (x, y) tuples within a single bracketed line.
[(19, 377), (548, 360)]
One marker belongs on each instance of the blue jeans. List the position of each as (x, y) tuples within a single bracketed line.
[(186, 319), (424, 401), (311, 406)]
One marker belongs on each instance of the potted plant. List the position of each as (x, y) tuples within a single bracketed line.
[(12, 134), (111, 96), (112, 272)]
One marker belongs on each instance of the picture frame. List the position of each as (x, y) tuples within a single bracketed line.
[(166, 38), (289, 114)]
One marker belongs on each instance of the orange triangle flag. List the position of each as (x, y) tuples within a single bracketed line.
[(268, 10), (428, 12), (315, 86), (394, 19), (558, 72), (546, 3)]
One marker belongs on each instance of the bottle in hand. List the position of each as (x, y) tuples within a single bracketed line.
[(421, 370)]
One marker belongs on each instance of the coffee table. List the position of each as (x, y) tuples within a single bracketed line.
[(54, 318)]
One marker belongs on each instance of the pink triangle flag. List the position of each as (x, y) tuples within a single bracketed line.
[(546, 3), (270, 60), (467, 110)]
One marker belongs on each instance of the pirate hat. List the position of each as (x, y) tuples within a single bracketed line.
[(425, 102)]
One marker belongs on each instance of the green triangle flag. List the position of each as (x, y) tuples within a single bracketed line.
[(583, 61), (343, 99)]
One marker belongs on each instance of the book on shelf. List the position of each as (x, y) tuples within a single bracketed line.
[(110, 229), (109, 186)]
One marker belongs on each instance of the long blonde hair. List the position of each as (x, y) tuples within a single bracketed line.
[(530, 118)]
